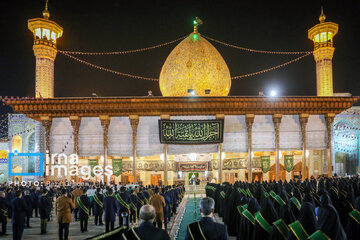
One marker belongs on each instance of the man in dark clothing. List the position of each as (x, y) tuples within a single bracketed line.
[(35, 201), (133, 207), (84, 205), (45, 206), (19, 209), (206, 226), (146, 230), (29, 202), (122, 204), (4, 208), (110, 210), (98, 207)]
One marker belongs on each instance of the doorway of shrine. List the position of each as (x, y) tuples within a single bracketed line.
[(156, 179), (256, 176), (128, 179), (17, 179), (272, 173), (298, 171)]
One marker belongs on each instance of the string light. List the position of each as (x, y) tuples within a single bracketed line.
[(109, 70), (254, 50), (272, 68), (156, 79), (123, 52)]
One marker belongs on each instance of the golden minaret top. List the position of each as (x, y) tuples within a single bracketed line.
[(322, 35), (46, 33), (322, 16), (46, 13)]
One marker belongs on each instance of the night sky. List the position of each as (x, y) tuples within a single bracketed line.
[(111, 25)]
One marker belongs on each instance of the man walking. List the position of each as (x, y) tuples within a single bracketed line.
[(84, 205), (158, 202), (74, 195), (63, 209), (45, 206), (19, 209)]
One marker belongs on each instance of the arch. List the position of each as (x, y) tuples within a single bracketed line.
[(272, 172), (298, 170), (16, 169), (16, 144), (31, 149)]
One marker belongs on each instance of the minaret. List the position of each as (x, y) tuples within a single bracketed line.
[(322, 35), (46, 32)]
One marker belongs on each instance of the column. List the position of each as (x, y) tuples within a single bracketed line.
[(165, 117), (220, 116), (249, 118), (277, 121), (46, 122), (165, 164), (303, 119), (329, 119), (220, 163), (75, 123), (105, 123), (134, 122)]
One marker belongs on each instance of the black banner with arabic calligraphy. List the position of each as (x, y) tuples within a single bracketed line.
[(191, 131)]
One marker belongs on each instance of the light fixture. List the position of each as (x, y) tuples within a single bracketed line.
[(191, 91), (307, 153), (273, 93), (162, 157), (223, 155)]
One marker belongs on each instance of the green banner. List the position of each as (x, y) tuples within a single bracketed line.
[(191, 131), (92, 164), (117, 167), (265, 163), (289, 162)]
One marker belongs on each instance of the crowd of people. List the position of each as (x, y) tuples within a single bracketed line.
[(325, 208), (105, 203)]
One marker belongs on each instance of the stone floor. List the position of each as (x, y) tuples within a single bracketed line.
[(76, 234)]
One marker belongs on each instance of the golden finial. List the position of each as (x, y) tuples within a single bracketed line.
[(322, 16), (197, 22), (46, 13)]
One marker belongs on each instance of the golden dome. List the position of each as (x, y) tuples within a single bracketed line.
[(193, 67)]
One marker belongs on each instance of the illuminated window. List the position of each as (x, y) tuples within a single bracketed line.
[(53, 37), (46, 33), (38, 32), (323, 37), (330, 36), (16, 144), (316, 38)]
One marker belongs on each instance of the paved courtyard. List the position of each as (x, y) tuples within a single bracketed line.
[(76, 234)]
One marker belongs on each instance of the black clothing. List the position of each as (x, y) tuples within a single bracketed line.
[(329, 223), (246, 227), (64, 231), (269, 214)]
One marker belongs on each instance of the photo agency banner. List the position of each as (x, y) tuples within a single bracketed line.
[(191, 131)]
